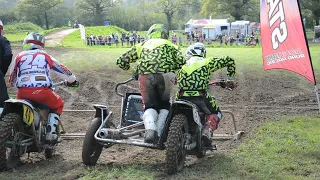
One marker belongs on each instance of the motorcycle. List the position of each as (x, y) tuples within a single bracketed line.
[(181, 135), (23, 130)]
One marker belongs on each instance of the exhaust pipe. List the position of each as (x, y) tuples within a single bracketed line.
[(103, 133)]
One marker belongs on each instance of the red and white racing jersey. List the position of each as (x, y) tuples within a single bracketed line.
[(32, 69)]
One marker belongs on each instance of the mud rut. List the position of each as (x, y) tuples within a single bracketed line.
[(257, 99)]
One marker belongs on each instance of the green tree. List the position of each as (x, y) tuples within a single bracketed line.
[(97, 8), (238, 9), (169, 8), (314, 7), (37, 9), (60, 15)]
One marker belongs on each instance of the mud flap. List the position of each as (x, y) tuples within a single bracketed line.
[(101, 111)]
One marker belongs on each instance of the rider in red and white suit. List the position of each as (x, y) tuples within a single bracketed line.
[(30, 73)]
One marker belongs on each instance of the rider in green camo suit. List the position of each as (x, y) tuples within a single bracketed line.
[(157, 60), (193, 79)]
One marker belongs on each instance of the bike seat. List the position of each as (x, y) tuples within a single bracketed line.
[(36, 105)]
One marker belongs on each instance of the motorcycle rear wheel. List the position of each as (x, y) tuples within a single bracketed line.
[(175, 151)]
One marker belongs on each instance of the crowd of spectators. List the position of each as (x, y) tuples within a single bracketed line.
[(250, 39), (132, 38), (128, 39)]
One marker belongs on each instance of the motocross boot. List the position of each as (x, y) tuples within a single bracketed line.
[(149, 119), (52, 128), (161, 120), (212, 121)]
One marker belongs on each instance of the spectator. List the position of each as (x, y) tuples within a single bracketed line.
[(192, 35), (180, 40), (105, 39), (201, 37), (127, 39), (116, 39), (174, 39), (123, 37), (231, 40), (226, 39), (220, 38), (188, 39), (196, 36), (238, 38), (109, 40), (242, 37), (131, 40), (5, 60), (138, 38)]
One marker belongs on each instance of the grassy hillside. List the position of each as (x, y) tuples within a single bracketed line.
[(17, 32), (22, 27), (74, 39)]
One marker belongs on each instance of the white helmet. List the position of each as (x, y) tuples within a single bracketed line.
[(34, 41), (196, 49)]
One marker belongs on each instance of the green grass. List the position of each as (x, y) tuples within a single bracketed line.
[(17, 32), (15, 37), (121, 172), (74, 39), (22, 28), (288, 149), (97, 57)]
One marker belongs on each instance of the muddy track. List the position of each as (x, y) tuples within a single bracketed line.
[(253, 102), (250, 108), (56, 37)]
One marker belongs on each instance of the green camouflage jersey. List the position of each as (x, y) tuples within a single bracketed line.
[(195, 75), (153, 56)]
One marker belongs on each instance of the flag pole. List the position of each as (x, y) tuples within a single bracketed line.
[(306, 40)]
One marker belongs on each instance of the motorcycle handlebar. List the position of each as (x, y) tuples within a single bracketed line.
[(122, 83)]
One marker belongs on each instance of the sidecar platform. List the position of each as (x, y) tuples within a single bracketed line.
[(135, 136)]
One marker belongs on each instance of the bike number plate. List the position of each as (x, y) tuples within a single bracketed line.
[(27, 115)]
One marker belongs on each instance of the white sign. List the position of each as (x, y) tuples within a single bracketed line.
[(82, 31)]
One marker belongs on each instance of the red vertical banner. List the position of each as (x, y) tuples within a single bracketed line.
[(283, 39)]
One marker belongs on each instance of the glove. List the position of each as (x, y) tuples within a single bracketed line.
[(231, 84), (135, 75), (73, 84)]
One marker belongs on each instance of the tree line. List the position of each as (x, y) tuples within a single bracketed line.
[(138, 14)]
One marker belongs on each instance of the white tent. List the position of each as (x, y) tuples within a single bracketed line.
[(211, 27)]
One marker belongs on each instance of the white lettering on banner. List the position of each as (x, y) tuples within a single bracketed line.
[(284, 56), (280, 33)]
